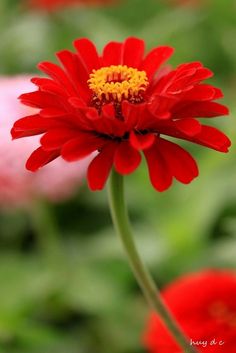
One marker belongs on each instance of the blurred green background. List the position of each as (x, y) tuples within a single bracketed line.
[(65, 286)]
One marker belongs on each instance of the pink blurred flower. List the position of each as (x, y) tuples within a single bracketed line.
[(18, 186)]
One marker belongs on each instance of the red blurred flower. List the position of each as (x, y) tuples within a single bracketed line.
[(56, 4), (187, 2), (120, 104), (204, 305), (184, 2)]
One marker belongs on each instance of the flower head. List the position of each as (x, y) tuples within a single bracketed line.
[(17, 185), (120, 104), (205, 307)]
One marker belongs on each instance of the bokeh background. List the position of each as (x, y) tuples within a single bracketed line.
[(65, 286)]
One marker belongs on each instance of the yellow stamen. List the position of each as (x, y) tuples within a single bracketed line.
[(117, 82)]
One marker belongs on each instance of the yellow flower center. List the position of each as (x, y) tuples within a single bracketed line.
[(117, 82)]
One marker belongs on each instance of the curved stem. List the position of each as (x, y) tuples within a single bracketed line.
[(122, 225)]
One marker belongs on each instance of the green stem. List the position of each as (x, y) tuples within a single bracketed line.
[(122, 225)]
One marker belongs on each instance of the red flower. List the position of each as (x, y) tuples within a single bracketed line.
[(120, 104), (204, 305), (56, 4)]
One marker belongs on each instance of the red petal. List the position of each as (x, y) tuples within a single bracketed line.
[(19, 134), (77, 102), (212, 138), (76, 72), (130, 113), (39, 158), (92, 113), (133, 50), (202, 74), (180, 163), (199, 109), (160, 107), (100, 167), (200, 93), (55, 138), (50, 86), (87, 53), (208, 136), (58, 75), (160, 86), (31, 125), (141, 142), (181, 82), (40, 81), (187, 66), (190, 127), (184, 80), (112, 54), (40, 99), (81, 147), (155, 59), (159, 172), (52, 112), (134, 115), (126, 159), (218, 93), (108, 111), (106, 125)]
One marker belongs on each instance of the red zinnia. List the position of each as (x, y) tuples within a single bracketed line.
[(204, 305), (55, 4), (119, 104)]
